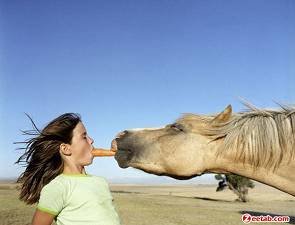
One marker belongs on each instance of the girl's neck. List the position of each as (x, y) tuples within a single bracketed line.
[(73, 169)]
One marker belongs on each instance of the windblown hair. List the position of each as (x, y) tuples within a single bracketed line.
[(42, 159), (259, 137)]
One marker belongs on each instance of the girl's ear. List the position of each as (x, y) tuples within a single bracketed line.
[(65, 149)]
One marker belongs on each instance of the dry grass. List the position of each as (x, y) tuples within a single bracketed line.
[(169, 205), (13, 211)]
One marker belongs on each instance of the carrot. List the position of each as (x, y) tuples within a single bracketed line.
[(100, 152)]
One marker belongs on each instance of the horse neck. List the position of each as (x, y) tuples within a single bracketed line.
[(282, 178)]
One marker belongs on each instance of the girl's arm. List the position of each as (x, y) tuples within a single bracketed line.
[(42, 218)]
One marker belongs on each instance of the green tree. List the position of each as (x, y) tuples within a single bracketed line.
[(238, 184)]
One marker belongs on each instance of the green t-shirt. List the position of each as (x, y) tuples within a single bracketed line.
[(79, 200)]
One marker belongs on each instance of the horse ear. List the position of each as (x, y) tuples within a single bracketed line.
[(223, 116)]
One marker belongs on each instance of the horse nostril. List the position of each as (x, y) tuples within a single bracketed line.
[(121, 134)]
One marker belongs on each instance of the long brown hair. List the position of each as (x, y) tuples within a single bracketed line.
[(42, 158)]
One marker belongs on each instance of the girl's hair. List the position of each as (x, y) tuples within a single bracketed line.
[(42, 158)]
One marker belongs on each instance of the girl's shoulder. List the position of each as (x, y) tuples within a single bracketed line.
[(64, 180), (56, 185), (58, 181)]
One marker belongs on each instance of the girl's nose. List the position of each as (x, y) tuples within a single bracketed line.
[(91, 140)]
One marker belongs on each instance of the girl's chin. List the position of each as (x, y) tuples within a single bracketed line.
[(88, 162)]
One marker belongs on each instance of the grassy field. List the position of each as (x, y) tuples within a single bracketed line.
[(169, 205)]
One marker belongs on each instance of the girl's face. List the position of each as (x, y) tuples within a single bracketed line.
[(81, 146)]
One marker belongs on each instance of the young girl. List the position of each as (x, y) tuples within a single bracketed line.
[(55, 176)]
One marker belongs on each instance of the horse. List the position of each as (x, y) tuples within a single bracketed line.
[(255, 143)]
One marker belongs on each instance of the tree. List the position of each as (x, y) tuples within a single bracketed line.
[(238, 184)]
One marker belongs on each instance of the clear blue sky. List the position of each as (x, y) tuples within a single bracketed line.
[(127, 64)]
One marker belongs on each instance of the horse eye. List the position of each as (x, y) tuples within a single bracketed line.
[(176, 127)]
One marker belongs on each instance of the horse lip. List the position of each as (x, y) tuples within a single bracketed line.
[(114, 145), (123, 157)]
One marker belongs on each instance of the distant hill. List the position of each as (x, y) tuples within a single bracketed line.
[(152, 180), (8, 180)]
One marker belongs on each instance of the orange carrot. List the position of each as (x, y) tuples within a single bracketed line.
[(100, 152)]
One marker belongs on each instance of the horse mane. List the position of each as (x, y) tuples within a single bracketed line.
[(259, 136)]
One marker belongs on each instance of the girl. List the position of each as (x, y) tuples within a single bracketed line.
[(55, 176)]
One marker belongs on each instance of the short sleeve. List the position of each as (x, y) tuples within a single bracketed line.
[(52, 198)]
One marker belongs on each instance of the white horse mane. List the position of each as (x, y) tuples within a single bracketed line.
[(261, 136)]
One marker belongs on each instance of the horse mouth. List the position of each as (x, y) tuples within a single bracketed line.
[(123, 157)]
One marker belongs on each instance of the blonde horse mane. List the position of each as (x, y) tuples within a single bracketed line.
[(257, 136)]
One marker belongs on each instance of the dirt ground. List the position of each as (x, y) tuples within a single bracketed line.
[(170, 205)]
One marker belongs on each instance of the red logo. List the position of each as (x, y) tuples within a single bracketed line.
[(246, 218)]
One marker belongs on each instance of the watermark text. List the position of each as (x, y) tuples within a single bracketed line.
[(247, 218)]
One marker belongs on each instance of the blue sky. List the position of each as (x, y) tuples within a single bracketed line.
[(127, 64)]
